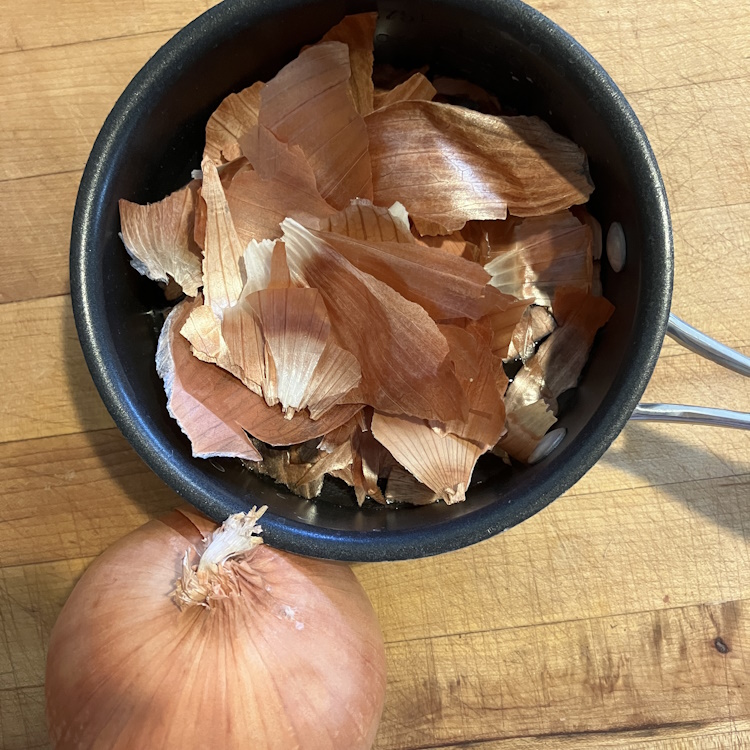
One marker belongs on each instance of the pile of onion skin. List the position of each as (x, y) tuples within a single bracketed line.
[(184, 636), (358, 266)]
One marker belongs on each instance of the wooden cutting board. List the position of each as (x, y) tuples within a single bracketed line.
[(617, 617)]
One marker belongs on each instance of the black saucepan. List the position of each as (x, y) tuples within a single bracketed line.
[(154, 137)]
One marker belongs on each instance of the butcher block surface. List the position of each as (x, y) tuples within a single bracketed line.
[(619, 617)]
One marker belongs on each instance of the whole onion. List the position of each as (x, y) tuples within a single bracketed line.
[(173, 642)]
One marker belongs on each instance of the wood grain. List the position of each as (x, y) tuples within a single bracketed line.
[(74, 87), (698, 137), (22, 723), (711, 265), (47, 389), (22, 728), (598, 674), (35, 219), (679, 668), (30, 600), (37, 593), (599, 554), (592, 625), (714, 736), (647, 47), (56, 24), (72, 496)]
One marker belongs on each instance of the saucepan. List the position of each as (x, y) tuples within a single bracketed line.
[(152, 140)]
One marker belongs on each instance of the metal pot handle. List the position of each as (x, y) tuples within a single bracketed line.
[(691, 338)]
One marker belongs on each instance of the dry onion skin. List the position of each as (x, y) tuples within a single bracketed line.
[(159, 239), (184, 635), (364, 266)]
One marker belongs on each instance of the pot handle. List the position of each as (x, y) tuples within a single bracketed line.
[(691, 338)]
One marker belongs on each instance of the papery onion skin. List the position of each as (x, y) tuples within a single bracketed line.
[(293, 661)]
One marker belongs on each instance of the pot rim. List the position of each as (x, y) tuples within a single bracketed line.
[(205, 32)]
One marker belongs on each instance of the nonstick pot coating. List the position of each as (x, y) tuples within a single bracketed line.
[(154, 137)]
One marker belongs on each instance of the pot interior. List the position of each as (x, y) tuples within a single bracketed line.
[(154, 138)]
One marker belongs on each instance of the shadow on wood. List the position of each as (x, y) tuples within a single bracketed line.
[(648, 451)]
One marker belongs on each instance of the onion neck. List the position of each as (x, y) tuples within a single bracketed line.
[(236, 537)]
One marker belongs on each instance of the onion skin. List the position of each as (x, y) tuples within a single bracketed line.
[(293, 661)]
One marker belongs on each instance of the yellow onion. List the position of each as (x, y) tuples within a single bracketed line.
[(173, 640)]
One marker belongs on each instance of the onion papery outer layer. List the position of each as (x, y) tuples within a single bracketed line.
[(404, 487), (536, 323), (227, 172), (504, 314), (454, 243), (557, 364), (422, 151), (402, 354), (205, 399), (358, 33), (232, 119), (526, 426), (542, 254), (442, 462), (222, 281), (361, 220), (203, 330), (292, 660), (445, 285), (478, 373), (281, 184), (415, 87), (280, 338), (443, 456), (582, 214), (297, 336), (301, 467), (200, 401), (313, 88), (159, 238)]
